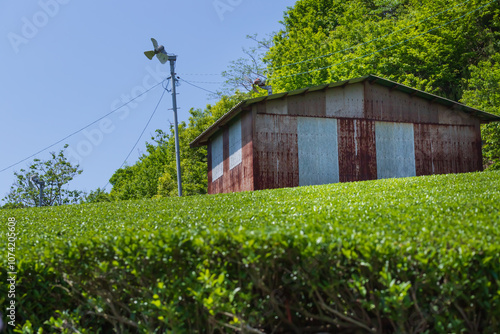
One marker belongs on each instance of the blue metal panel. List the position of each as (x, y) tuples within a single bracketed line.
[(235, 144), (318, 151), (395, 147), (217, 146)]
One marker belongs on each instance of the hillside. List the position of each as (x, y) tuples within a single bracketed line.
[(389, 255)]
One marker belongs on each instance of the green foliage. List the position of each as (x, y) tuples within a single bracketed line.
[(56, 172), (483, 92), (97, 196), (428, 45), (155, 174), (409, 255)]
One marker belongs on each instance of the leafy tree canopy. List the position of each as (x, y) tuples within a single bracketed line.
[(55, 172), (427, 45), (483, 92)]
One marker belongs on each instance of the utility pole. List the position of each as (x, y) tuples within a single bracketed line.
[(163, 57), (41, 184), (172, 60)]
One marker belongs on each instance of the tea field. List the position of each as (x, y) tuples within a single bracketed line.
[(411, 255)]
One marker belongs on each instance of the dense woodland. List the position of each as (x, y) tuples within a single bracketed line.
[(449, 48)]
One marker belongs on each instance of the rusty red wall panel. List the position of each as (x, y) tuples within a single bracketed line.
[(310, 104), (275, 152), (384, 104), (234, 180), (226, 178), (240, 177), (357, 152), (441, 149), (478, 149), (209, 168), (454, 117), (247, 174), (214, 186), (261, 107)]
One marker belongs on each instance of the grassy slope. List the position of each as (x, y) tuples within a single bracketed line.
[(434, 226), (465, 206)]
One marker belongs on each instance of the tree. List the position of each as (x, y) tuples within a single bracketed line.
[(56, 172), (483, 92), (97, 196), (241, 72), (428, 45)]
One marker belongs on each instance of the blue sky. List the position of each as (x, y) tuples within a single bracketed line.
[(66, 63)]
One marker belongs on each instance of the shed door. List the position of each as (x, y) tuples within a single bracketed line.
[(318, 151), (395, 150)]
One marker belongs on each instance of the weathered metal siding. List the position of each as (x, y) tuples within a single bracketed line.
[(354, 132), (318, 151), (441, 149), (384, 104), (235, 144), (230, 157), (277, 107), (357, 153), (240, 155), (395, 150), (275, 151), (247, 175), (309, 104), (209, 169), (345, 102), (216, 165)]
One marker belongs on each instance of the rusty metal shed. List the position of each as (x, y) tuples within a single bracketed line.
[(360, 129)]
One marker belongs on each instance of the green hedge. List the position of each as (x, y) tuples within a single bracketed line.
[(410, 255)]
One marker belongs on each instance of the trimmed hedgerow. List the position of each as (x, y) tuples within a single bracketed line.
[(409, 255)]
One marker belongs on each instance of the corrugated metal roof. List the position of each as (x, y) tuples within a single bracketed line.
[(485, 117)]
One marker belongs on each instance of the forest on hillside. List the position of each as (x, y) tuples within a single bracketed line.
[(450, 48)]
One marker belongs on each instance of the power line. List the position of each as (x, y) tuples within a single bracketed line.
[(200, 74), (142, 133), (208, 82), (80, 130), (206, 90), (383, 49)]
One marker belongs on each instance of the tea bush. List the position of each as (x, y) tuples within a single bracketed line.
[(409, 255)]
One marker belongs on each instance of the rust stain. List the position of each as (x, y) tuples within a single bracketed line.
[(310, 104), (357, 153), (384, 104), (247, 176), (275, 152), (209, 168), (441, 149)]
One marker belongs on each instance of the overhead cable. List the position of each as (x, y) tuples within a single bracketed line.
[(142, 133), (80, 130), (206, 90)]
